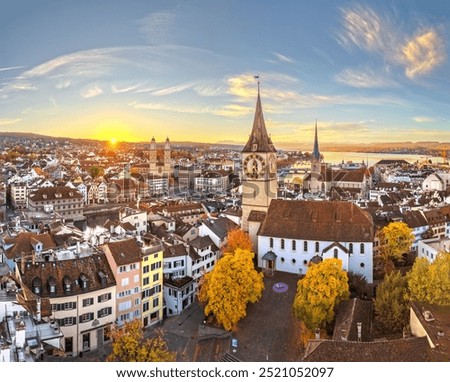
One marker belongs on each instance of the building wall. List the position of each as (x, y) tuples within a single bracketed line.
[(86, 335), (417, 329), (139, 220), (152, 288), (128, 289), (296, 261)]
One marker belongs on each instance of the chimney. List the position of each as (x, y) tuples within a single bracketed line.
[(359, 326), (317, 333)]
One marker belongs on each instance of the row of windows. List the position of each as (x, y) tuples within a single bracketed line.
[(305, 262), (86, 302), (146, 280), (151, 291), (128, 292), (146, 305), (69, 321), (128, 267), (316, 246)]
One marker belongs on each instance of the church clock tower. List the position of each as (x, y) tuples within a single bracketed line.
[(259, 168)]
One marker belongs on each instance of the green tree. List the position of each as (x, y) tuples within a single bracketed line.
[(96, 171), (324, 286), (430, 282), (357, 284), (391, 306), (129, 345), (395, 240), (230, 286)]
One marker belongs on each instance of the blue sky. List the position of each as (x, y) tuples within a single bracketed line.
[(130, 70)]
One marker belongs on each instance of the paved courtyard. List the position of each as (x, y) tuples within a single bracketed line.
[(269, 332)]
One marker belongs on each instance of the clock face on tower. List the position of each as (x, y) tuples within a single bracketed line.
[(254, 166)]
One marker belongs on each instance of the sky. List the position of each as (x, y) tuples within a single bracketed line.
[(132, 70)]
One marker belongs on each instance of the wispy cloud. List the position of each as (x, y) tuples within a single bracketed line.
[(91, 91), (22, 85), (210, 89), (9, 121), (284, 97), (63, 84), (173, 89), (364, 78), (423, 52), (377, 34), (170, 107), (422, 119), (282, 58), (234, 110), (127, 89), (11, 68), (364, 28)]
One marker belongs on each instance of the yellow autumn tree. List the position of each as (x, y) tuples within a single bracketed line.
[(237, 238), (395, 240), (324, 286), (430, 282), (230, 286), (129, 345)]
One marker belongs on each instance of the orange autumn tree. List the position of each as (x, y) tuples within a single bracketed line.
[(129, 345), (237, 238), (230, 286)]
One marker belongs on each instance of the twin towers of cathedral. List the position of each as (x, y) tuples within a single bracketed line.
[(259, 169), (160, 165)]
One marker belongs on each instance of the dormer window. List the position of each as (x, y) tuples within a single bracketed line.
[(102, 278), (58, 195), (51, 286), (44, 196), (84, 281), (37, 285), (67, 285)]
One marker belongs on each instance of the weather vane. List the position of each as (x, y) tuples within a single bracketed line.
[(257, 78)]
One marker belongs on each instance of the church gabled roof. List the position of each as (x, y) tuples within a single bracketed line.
[(259, 140)]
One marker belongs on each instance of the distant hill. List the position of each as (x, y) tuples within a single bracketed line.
[(382, 147)]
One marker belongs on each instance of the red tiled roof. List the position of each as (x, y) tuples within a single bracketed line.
[(53, 193), (317, 220), (124, 251), (22, 243)]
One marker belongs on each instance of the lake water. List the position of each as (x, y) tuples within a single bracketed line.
[(356, 157)]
